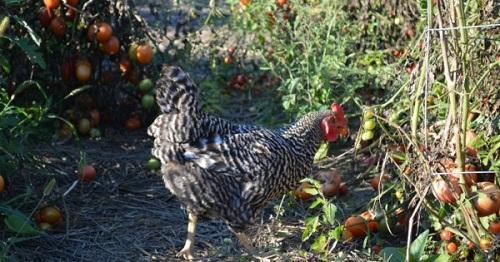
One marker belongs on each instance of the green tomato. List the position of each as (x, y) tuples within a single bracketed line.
[(145, 85), (367, 135), (369, 124), (153, 164), (368, 114), (148, 101), (394, 118)]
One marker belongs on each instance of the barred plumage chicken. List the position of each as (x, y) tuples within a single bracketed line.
[(219, 169)]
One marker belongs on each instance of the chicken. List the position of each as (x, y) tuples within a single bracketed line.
[(220, 169)]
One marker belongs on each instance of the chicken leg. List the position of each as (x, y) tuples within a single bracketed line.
[(185, 252)]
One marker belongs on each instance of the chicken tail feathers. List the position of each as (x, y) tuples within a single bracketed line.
[(177, 97)]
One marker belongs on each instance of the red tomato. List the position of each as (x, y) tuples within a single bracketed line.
[(51, 4), (87, 173), (57, 26)]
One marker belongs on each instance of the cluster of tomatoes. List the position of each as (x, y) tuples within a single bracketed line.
[(330, 185), (368, 128)]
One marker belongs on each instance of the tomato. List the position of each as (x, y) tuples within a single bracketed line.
[(451, 247), (231, 50), (145, 85), (87, 173), (494, 227), (378, 180), (45, 16), (44, 226), (368, 114), (132, 52), (84, 126), (95, 117), (330, 182), (125, 65), (51, 4), (2, 184), (144, 54), (446, 235), (148, 101), (153, 164), (281, 3), (485, 243), (72, 2), (50, 214), (343, 189), (228, 60), (470, 244), (57, 26), (245, 2), (67, 70), (367, 135), (104, 32), (444, 190), (83, 70), (356, 225), (301, 194), (70, 14), (110, 47), (470, 178), (91, 32), (487, 202), (369, 124), (376, 249), (133, 123), (346, 235), (396, 53)]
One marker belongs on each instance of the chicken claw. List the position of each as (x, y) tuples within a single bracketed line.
[(185, 253)]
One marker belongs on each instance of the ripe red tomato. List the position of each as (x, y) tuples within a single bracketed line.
[(133, 123), (451, 247), (488, 201), (45, 16), (104, 32), (83, 70), (281, 3), (51, 4), (144, 54), (356, 225), (87, 173), (57, 26), (245, 2), (50, 214), (112, 46), (494, 227), (125, 65), (446, 235)]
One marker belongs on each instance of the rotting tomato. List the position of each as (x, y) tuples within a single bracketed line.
[(50, 214), (442, 190), (83, 70), (87, 173), (57, 26), (2, 184), (494, 227), (446, 235), (45, 16), (133, 123), (379, 180), (487, 201), (356, 225)]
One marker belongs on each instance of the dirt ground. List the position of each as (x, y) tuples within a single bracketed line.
[(126, 214)]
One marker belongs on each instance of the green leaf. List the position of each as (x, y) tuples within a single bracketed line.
[(322, 152), (316, 202), (36, 39), (440, 258), (311, 191), (49, 187), (329, 210), (417, 247), (336, 233), (19, 223), (319, 244), (311, 227), (30, 51), (4, 63), (393, 254)]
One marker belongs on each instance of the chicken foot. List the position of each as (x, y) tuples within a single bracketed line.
[(186, 251)]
